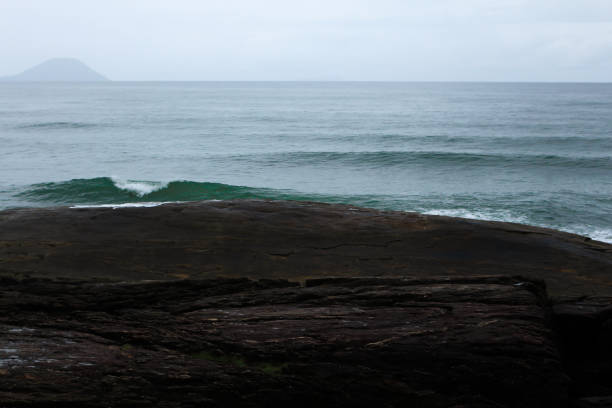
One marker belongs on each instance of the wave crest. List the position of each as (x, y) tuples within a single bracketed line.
[(140, 188), (115, 193), (112, 190)]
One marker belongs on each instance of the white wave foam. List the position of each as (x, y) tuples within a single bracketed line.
[(601, 235), (124, 205), (504, 216), (598, 234), (604, 235), (141, 188)]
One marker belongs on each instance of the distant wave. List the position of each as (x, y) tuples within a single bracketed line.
[(437, 158), (57, 125)]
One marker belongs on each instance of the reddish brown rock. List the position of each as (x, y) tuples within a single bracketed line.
[(290, 240), (469, 342), (74, 332)]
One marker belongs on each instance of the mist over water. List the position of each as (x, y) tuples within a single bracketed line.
[(532, 153)]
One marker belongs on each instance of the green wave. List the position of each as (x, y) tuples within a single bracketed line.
[(105, 190), (559, 210)]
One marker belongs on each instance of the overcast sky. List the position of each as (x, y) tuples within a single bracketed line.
[(408, 40)]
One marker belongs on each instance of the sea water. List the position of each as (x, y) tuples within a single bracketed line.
[(534, 153)]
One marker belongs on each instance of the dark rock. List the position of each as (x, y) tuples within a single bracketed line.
[(584, 328), (595, 402), (469, 342), (108, 307), (290, 240)]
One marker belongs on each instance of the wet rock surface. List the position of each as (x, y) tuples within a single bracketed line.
[(475, 342), (290, 240), (269, 304)]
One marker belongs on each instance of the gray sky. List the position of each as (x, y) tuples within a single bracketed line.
[(412, 40)]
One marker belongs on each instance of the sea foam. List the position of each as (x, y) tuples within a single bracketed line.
[(504, 216), (124, 205), (139, 187), (601, 234)]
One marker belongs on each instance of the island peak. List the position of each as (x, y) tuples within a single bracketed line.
[(58, 69)]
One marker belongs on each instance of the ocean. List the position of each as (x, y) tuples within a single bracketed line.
[(532, 153)]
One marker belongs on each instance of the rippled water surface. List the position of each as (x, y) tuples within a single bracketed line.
[(532, 153)]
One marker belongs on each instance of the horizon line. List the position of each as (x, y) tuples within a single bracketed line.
[(313, 81)]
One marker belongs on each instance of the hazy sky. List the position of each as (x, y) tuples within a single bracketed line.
[(412, 40)]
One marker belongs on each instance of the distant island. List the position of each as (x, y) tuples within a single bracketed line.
[(58, 69)]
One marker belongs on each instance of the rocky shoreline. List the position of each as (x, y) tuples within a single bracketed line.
[(257, 303)]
